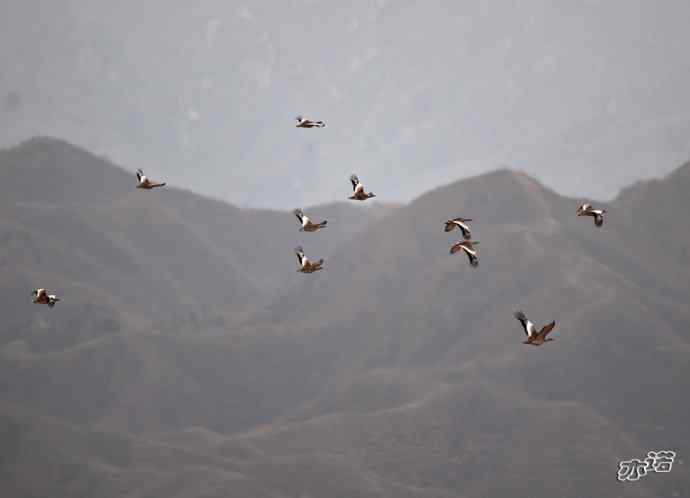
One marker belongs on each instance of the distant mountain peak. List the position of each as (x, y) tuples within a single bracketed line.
[(53, 171)]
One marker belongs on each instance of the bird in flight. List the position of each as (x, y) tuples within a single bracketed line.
[(467, 246), (145, 182), (303, 122), (358, 190), (307, 224), (461, 224), (307, 266), (41, 296), (534, 337), (588, 210)]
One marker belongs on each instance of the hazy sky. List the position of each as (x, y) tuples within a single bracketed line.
[(585, 95)]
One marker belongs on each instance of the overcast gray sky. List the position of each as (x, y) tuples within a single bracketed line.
[(588, 96)]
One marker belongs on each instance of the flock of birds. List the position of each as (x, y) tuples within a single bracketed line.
[(534, 336)]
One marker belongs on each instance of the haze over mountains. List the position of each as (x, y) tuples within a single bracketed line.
[(188, 358), (587, 95)]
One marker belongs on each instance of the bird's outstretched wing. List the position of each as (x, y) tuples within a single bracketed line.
[(458, 246), (300, 254), (466, 232), (522, 318), (470, 244), (546, 329), (355, 181), (472, 257)]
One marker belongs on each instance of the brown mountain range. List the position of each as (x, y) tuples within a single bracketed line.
[(188, 358)]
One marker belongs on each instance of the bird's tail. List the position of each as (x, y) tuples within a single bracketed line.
[(323, 223), (371, 194), (158, 185)]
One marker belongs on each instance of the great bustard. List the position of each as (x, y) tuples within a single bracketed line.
[(461, 224), (41, 296), (467, 247), (588, 210), (307, 266), (307, 224), (534, 337), (358, 190), (303, 122), (145, 182)]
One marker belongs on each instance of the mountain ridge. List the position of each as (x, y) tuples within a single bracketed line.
[(396, 371)]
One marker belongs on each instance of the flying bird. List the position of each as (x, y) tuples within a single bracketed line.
[(307, 266), (588, 210), (303, 122), (41, 296), (467, 247), (307, 224), (358, 190), (534, 337), (460, 223), (145, 182)]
